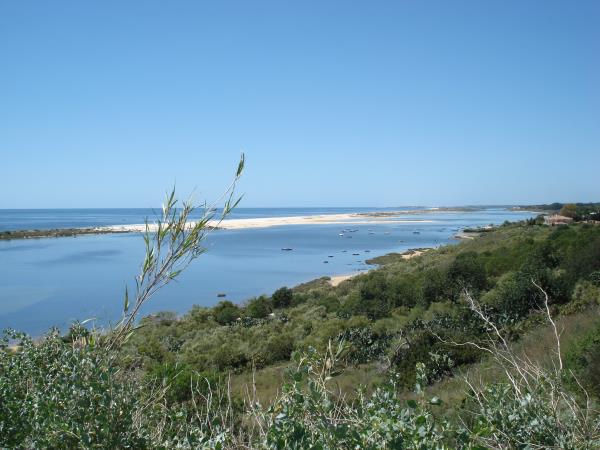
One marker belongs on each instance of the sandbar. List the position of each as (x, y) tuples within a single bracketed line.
[(266, 222)]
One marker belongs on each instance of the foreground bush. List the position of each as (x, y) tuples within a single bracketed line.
[(531, 406), (69, 393), (311, 414)]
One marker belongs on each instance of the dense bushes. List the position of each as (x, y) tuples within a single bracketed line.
[(584, 359), (467, 272), (364, 345), (162, 389), (58, 394), (514, 296), (529, 407), (69, 394), (278, 348), (498, 268), (179, 378), (309, 414)]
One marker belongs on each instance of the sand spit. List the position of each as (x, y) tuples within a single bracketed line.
[(266, 222), (371, 218)]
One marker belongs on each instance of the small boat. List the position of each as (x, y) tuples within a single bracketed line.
[(416, 232), (355, 254), (330, 256), (367, 251), (341, 234), (287, 249), (221, 295), (325, 262), (344, 251), (386, 232), (371, 232)]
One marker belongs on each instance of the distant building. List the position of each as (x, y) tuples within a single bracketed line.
[(556, 219)]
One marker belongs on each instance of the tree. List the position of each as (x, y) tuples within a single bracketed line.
[(259, 307), (282, 297), (467, 271), (226, 312), (569, 210)]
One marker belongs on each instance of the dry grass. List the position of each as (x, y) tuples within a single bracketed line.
[(263, 384)]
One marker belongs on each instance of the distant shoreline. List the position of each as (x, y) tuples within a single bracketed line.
[(362, 218), (53, 233)]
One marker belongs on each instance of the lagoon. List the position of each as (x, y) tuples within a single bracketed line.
[(55, 281)]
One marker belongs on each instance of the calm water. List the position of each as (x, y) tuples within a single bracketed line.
[(46, 282)]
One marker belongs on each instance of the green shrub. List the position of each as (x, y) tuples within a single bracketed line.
[(227, 358), (364, 345), (308, 414), (226, 312), (182, 381), (583, 258), (585, 295), (467, 271), (282, 297), (258, 308), (330, 303), (57, 394), (405, 291), (594, 278), (375, 301), (279, 348), (434, 287), (583, 358)]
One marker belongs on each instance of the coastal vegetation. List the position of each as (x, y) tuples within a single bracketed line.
[(459, 347), (57, 232), (577, 211), (393, 315)]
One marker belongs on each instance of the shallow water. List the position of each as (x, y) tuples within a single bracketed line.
[(53, 281)]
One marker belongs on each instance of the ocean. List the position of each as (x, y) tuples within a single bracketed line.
[(55, 281)]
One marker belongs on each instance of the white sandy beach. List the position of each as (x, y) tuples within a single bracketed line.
[(266, 222), (337, 279)]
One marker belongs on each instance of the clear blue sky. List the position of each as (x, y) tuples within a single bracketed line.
[(106, 104)]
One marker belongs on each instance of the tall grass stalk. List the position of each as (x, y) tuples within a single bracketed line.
[(170, 246)]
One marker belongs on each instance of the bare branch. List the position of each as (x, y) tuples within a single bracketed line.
[(556, 334)]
